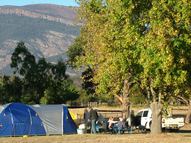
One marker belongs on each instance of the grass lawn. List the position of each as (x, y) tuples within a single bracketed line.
[(103, 138)]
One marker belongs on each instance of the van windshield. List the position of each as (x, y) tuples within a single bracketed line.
[(139, 114)]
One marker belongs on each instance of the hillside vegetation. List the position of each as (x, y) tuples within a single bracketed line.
[(38, 26)]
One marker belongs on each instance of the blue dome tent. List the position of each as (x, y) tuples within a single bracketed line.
[(17, 119)]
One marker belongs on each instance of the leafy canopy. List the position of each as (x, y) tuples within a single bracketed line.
[(144, 42)]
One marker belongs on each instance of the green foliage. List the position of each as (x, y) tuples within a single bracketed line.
[(110, 45), (74, 51), (166, 58), (60, 92), (87, 81), (22, 56), (36, 81), (83, 98), (138, 97), (58, 71), (10, 89), (28, 97), (146, 43), (139, 42)]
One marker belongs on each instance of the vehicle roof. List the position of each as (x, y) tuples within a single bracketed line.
[(146, 109)]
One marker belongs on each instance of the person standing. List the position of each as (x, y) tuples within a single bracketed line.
[(86, 119), (93, 119)]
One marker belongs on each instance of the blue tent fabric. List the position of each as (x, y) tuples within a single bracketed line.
[(69, 127), (18, 119)]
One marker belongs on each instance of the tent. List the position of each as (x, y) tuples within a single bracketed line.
[(18, 119), (56, 119)]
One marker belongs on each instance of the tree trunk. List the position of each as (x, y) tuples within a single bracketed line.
[(125, 105), (188, 115), (126, 108), (156, 125), (126, 102)]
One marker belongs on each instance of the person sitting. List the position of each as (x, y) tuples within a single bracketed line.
[(111, 124), (98, 126), (120, 125)]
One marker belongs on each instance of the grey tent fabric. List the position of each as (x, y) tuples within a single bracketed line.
[(52, 117)]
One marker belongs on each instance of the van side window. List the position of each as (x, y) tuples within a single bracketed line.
[(139, 114), (145, 113)]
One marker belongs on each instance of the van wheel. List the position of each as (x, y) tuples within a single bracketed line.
[(142, 129)]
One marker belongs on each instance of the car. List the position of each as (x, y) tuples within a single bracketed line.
[(144, 120)]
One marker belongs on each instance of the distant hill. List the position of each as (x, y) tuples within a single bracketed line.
[(50, 12), (48, 30)]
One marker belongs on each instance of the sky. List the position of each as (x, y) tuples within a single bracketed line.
[(26, 2)]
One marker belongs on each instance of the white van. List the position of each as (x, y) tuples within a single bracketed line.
[(145, 116)]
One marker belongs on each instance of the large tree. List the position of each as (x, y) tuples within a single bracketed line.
[(110, 48), (38, 76), (22, 61), (165, 52), (25, 66), (139, 42)]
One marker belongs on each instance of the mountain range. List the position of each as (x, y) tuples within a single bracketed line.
[(47, 31)]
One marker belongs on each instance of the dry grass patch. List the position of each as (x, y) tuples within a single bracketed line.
[(87, 138)]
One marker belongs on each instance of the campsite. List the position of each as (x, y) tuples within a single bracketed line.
[(100, 71), (99, 138), (52, 135)]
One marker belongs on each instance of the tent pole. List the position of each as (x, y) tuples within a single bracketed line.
[(12, 121), (62, 120), (30, 122)]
